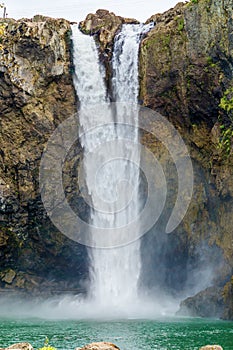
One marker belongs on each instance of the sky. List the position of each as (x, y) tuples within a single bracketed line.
[(76, 10)]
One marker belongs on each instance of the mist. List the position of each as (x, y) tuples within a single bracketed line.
[(80, 308)]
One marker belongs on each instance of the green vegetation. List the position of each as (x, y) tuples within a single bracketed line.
[(166, 40), (226, 103), (210, 62), (159, 41), (180, 24), (191, 2), (47, 346), (226, 139)]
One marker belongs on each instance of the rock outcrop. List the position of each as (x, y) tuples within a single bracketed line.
[(20, 346), (207, 303), (99, 346), (228, 300), (211, 347), (104, 25), (36, 95)]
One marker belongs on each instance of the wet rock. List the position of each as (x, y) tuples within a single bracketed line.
[(228, 300), (207, 303), (99, 346)]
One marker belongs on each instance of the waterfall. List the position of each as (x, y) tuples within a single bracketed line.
[(114, 272), (125, 62)]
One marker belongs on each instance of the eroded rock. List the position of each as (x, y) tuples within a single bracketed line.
[(207, 303), (8, 276), (104, 25), (20, 346), (99, 346), (211, 347)]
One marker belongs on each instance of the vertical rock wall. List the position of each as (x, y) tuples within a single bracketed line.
[(36, 95), (185, 70)]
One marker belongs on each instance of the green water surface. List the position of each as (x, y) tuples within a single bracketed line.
[(167, 334)]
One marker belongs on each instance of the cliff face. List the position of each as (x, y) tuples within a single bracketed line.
[(185, 73), (36, 94)]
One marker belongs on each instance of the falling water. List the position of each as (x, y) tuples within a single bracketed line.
[(114, 272), (125, 62)]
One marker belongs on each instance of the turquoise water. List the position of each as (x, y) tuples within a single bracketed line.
[(172, 334)]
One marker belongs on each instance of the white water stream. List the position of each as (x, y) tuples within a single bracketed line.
[(114, 272)]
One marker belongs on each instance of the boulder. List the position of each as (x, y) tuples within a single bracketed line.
[(211, 347), (99, 346), (8, 276), (19, 346)]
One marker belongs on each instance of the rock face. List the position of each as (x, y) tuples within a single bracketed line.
[(228, 300), (185, 73), (104, 25), (36, 94), (207, 303), (20, 346), (99, 346)]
